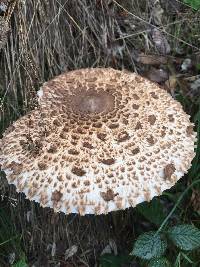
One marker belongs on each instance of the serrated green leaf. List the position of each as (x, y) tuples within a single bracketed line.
[(152, 211), (195, 4), (159, 262), (186, 236), (149, 245)]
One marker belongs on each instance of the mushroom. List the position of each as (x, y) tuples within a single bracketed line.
[(100, 140)]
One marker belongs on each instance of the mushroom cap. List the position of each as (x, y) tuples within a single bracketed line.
[(99, 140)]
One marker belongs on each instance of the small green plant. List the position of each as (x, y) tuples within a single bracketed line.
[(151, 246), (21, 262), (195, 4)]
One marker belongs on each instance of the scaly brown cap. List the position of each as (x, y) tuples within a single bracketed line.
[(100, 140)]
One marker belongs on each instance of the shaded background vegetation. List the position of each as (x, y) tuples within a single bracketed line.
[(46, 38)]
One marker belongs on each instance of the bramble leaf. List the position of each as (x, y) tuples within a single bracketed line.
[(149, 245), (195, 4), (186, 236), (159, 262)]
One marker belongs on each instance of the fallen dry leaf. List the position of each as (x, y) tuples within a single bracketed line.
[(171, 83), (157, 75), (160, 41), (151, 59), (106, 250), (71, 251), (110, 248), (53, 249), (187, 64), (3, 7), (157, 13), (195, 86)]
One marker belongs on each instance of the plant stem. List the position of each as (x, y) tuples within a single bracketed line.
[(176, 205)]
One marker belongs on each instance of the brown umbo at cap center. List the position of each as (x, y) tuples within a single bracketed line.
[(100, 140), (92, 101)]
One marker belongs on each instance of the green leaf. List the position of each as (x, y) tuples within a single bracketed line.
[(159, 262), (152, 211), (186, 236), (198, 66), (110, 260), (195, 4), (149, 245), (20, 263)]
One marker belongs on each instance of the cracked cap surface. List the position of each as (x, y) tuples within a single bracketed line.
[(100, 140)]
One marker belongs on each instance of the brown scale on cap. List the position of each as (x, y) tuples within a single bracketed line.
[(152, 119), (98, 141), (169, 170), (56, 196), (108, 195)]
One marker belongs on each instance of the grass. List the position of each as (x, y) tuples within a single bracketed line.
[(11, 250), (50, 37)]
